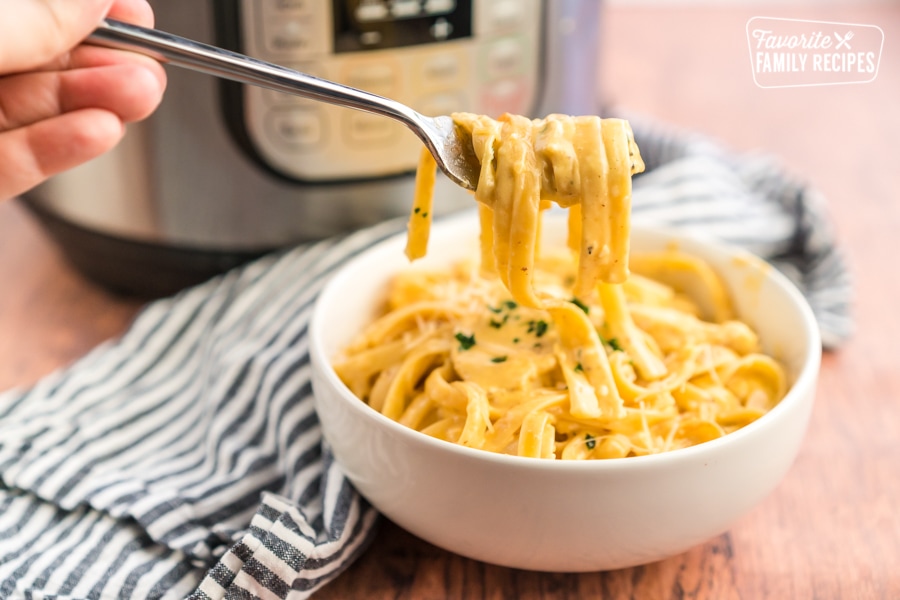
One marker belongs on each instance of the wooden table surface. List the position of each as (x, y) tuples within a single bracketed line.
[(831, 529)]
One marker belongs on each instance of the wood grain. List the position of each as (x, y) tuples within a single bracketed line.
[(831, 529), (49, 315)]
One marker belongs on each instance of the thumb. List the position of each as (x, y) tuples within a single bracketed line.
[(34, 32)]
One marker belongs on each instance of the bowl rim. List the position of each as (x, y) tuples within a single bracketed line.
[(803, 383)]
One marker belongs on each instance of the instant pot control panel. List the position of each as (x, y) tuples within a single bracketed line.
[(438, 56)]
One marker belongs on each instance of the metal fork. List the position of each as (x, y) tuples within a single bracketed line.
[(451, 147)]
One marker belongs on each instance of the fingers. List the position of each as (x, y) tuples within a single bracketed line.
[(132, 11), (95, 56), (35, 32), (28, 155), (59, 106), (129, 91), (83, 56)]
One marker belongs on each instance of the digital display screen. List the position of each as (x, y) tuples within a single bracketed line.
[(376, 24)]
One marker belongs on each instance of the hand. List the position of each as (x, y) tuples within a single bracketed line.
[(62, 104)]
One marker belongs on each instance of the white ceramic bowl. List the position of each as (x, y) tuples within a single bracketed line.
[(556, 515)]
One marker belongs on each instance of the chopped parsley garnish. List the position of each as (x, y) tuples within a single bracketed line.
[(424, 214), (581, 305), (589, 441), (498, 359), (538, 328), (614, 344), (465, 341), (515, 340), (507, 304), (416, 210), (578, 368), (498, 324)]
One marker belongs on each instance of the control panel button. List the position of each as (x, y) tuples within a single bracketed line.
[(370, 38), (504, 15), (441, 29), (367, 130), (442, 104), (504, 58), (509, 95), (294, 35), (378, 78), (447, 69), (405, 9), (440, 7), (295, 129), (292, 7), (295, 29), (371, 11)]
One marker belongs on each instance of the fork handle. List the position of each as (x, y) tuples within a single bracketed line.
[(167, 48)]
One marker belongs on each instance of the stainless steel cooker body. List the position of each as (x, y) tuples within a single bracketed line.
[(223, 172)]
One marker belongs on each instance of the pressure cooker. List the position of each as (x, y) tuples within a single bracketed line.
[(223, 172)]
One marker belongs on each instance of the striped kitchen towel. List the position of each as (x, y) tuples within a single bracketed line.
[(185, 458)]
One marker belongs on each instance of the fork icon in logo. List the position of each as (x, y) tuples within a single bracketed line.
[(843, 41)]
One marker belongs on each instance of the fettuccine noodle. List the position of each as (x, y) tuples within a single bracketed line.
[(559, 354)]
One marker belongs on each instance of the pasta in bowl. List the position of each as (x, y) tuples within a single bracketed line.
[(657, 491)]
